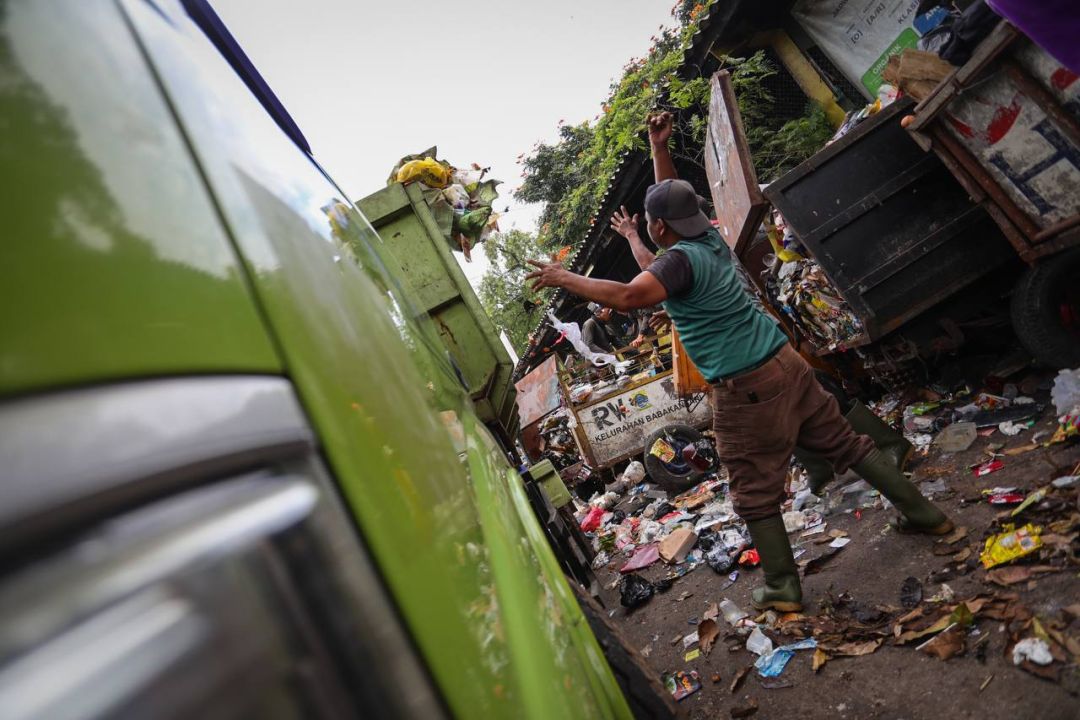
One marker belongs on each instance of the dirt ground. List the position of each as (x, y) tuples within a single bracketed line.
[(895, 681)]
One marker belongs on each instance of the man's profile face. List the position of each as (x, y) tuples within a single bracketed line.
[(656, 229), (604, 314)]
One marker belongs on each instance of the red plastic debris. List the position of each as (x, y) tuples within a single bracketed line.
[(1005, 498), (750, 558), (592, 520), (988, 467)]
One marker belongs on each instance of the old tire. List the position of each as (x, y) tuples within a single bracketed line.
[(641, 685), (676, 476), (1046, 310)]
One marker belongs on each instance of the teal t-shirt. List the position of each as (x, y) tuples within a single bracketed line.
[(722, 331)]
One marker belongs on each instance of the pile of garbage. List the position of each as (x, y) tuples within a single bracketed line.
[(806, 295), (460, 200), (636, 524), (557, 439), (797, 287), (951, 419)]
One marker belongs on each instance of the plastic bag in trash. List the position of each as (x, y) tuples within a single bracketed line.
[(634, 591), (428, 171), (718, 559), (634, 472), (1066, 391)]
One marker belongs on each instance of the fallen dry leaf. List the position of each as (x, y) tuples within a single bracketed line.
[(708, 631), (1056, 540), (712, 612), (946, 644), (1009, 575), (746, 710), (910, 635), (940, 549), (739, 677), (1047, 672), (1072, 611), (774, 683), (1023, 449), (956, 536), (856, 649), (837, 533), (913, 615), (963, 555), (820, 658)]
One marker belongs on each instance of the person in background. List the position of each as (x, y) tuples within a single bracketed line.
[(765, 396), (598, 332)]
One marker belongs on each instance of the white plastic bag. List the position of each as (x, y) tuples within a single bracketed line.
[(1066, 391)]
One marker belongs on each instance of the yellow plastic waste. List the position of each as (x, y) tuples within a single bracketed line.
[(662, 450), (1011, 544), (428, 171), (781, 252)]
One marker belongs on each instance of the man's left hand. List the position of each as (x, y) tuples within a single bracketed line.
[(550, 274), (624, 223)]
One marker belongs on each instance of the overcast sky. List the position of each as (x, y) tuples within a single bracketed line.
[(484, 80)]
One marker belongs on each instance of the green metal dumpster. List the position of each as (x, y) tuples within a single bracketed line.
[(409, 228)]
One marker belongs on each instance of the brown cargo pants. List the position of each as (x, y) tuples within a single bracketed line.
[(760, 416)]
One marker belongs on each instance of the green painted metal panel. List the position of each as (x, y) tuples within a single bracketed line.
[(405, 222), (383, 402), (113, 262)]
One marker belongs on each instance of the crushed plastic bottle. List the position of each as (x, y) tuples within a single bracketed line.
[(759, 643), (732, 612)]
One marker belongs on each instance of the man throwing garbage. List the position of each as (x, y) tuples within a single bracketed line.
[(765, 396)]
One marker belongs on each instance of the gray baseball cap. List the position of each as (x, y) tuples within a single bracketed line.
[(676, 203), (594, 307)]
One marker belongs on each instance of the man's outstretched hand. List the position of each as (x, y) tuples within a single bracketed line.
[(659, 321), (624, 223), (547, 274), (659, 125)]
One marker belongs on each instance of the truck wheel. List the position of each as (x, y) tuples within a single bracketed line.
[(678, 475), (641, 685), (1046, 310)]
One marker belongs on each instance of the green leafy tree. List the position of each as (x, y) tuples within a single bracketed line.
[(572, 175), (509, 303)]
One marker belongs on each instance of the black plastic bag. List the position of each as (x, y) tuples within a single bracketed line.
[(719, 560), (635, 591)]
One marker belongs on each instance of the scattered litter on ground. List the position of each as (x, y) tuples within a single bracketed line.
[(911, 592), (635, 591), (771, 664), (956, 437), (1032, 649), (740, 676), (708, 631), (987, 467), (682, 684), (758, 642), (1011, 544)]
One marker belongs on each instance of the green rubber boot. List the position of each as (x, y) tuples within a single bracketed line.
[(917, 513), (782, 591), (819, 472), (891, 443)]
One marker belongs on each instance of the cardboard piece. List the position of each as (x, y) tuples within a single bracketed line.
[(675, 547)]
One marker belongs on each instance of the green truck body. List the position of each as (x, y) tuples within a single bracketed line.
[(161, 225)]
